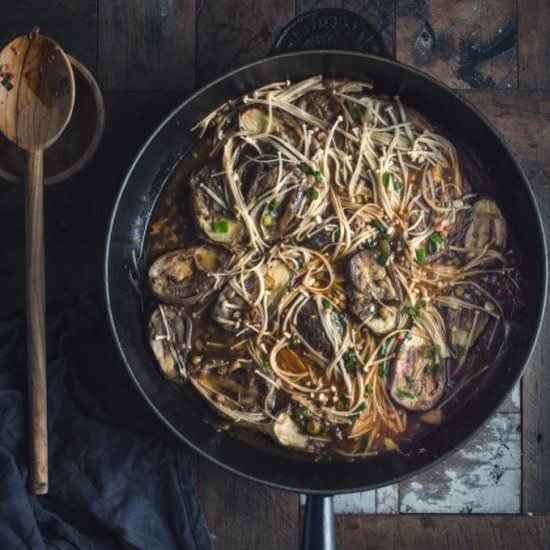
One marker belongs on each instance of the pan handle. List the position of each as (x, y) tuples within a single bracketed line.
[(319, 531)]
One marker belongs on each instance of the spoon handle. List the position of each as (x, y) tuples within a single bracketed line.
[(36, 330)]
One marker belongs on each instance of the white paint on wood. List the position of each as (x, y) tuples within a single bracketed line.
[(387, 500), (484, 477)]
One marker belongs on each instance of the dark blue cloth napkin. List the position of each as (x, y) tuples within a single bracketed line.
[(111, 485)]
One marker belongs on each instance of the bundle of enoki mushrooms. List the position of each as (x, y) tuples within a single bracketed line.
[(365, 282)]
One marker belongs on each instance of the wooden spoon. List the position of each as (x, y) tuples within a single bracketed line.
[(36, 102)]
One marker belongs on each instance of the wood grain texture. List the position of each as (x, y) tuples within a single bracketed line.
[(242, 514), (231, 33), (442, 532), (380, 13), (534, 44), (467, 44), (146, 46), (484, 475), (36, 323), (524, 120), (72, 23), (536, 407)]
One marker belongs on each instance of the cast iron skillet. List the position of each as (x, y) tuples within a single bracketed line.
[(185, 414)]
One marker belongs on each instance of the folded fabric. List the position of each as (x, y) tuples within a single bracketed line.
[(111, 485)]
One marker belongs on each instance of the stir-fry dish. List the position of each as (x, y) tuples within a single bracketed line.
[(323, 273)]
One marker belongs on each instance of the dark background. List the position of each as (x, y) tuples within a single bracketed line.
[(147, 56)]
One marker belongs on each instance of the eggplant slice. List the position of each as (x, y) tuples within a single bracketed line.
[(170, 331), (184, 276), (211, 210), (372, 292), (311, 326), (417, 381), (487, 227), (256, 120)]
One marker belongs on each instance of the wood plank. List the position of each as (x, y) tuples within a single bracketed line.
[(536, 407), (380, 13), (534, 44), (147, 46), (72, 23), (73, 249), (438, 532), (468, 44), (231, 33), (242, 514), (524, 120), (483, 477)]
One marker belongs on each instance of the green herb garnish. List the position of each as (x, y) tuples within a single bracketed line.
[(350, 360), (409, 380), (326, 304), (372, 243), (433, 352), (343, 318), (384, 370), (312, 193), (383, 258), (293, 343), (435, 368), (381, 228), (220, 226), (384, 348), (368, 389), (397, 186), (273, 204), (405, 393), (436, 240), (364, 442), (318, 176), (410, 310), (420, 255), (386, 178), (298, 414), (265, 364)]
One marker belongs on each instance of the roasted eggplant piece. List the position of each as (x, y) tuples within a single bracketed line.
[(372, 292), (312, 327), (170, 331), (256, 120), (211, 210), (418, 376), (487, 225), (465, 326), (184, 276)]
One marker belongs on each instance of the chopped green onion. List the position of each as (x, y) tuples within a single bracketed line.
[(364, 442), (436, 240), (409, 380), (273, 204), (306, 168), (404, 393), (312, 193), (318, 176), (397, 186), (293, 343), (265, 364), (384, 348), (220, 226), (372, 243), (410, 310), (386, 178), (326, 303), (436, 367), (433, 352), (298, 414), (343, 318), (381, 228), (420, 255), (268, 220), (368, 389), (350, 360), (383, 258), (384, 370)]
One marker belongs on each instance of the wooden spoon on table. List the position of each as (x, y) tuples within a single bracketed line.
[(37, 94)]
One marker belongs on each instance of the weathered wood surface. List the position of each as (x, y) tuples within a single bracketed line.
[(380, 13), (73, 23), (231, 33), (534, 44), (242, 514), (468, 44), (442, 532), (146, 46)]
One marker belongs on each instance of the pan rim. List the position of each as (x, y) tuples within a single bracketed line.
[(532, 340)]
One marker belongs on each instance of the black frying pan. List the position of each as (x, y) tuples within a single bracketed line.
[(185, 413)]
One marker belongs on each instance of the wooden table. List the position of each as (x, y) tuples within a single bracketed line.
[(147, 57)]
